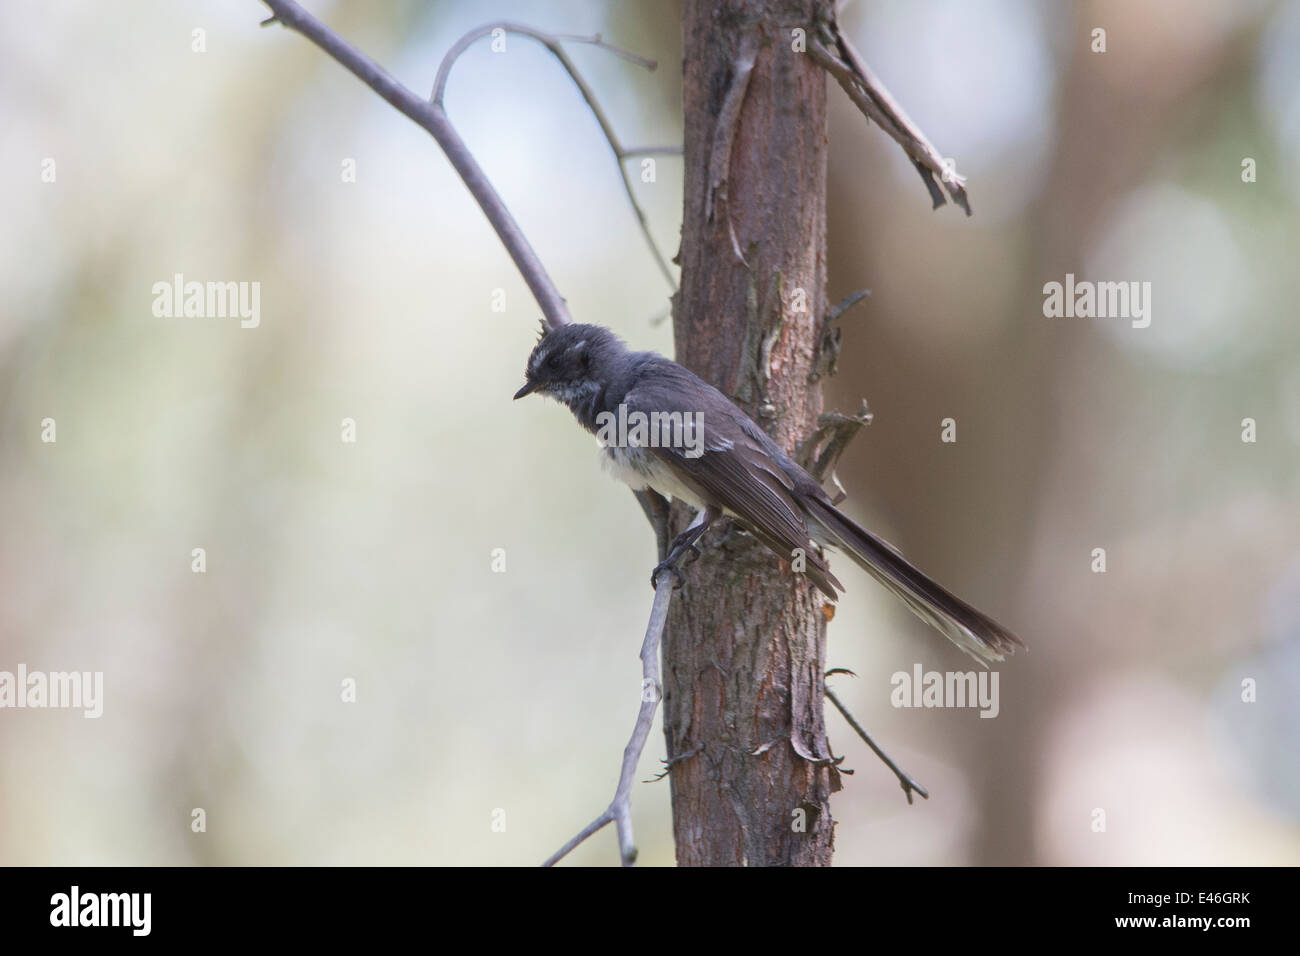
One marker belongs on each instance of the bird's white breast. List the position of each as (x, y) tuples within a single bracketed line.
[(640, 469)]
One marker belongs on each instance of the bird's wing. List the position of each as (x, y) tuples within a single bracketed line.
[(738, 471)]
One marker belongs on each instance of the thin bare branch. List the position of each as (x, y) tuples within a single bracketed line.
[(431, 118), (907, 783), (619, 811), (553, 42), (834, 53), (652, 151)]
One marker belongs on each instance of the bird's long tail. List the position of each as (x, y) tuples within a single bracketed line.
[(977, 634)]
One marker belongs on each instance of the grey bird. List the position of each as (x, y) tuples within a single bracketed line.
[(728, 466)]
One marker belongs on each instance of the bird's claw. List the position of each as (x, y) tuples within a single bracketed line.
[(667, 566)]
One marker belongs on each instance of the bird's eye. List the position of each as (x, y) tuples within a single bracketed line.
[(553, 362)]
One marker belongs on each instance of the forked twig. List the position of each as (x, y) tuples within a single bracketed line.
[(431, 118), (820, 451), (619, 811), (553, 43)]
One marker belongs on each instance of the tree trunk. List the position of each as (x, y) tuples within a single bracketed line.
[(744, 652)]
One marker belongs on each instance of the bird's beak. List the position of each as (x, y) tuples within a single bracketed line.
[(528, 388)]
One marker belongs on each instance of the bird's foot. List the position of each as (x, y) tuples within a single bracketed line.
[(670, 565)]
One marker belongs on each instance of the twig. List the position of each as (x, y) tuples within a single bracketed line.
[(907, 783), (431, 118), (846, 303), (552, 42), (669, 764), (834, 53), (819, 452), (827, 357), (619, 810), (652, 151)]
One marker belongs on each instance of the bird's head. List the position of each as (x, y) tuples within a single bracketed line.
[(568, 363)]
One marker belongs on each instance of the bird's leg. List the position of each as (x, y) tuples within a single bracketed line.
[(685, 542)]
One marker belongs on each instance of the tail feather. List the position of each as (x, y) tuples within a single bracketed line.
[(975, 633)]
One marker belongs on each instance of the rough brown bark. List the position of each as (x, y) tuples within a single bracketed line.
[(744, 651)]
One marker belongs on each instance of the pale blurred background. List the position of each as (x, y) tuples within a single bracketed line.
[(485, 696)]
